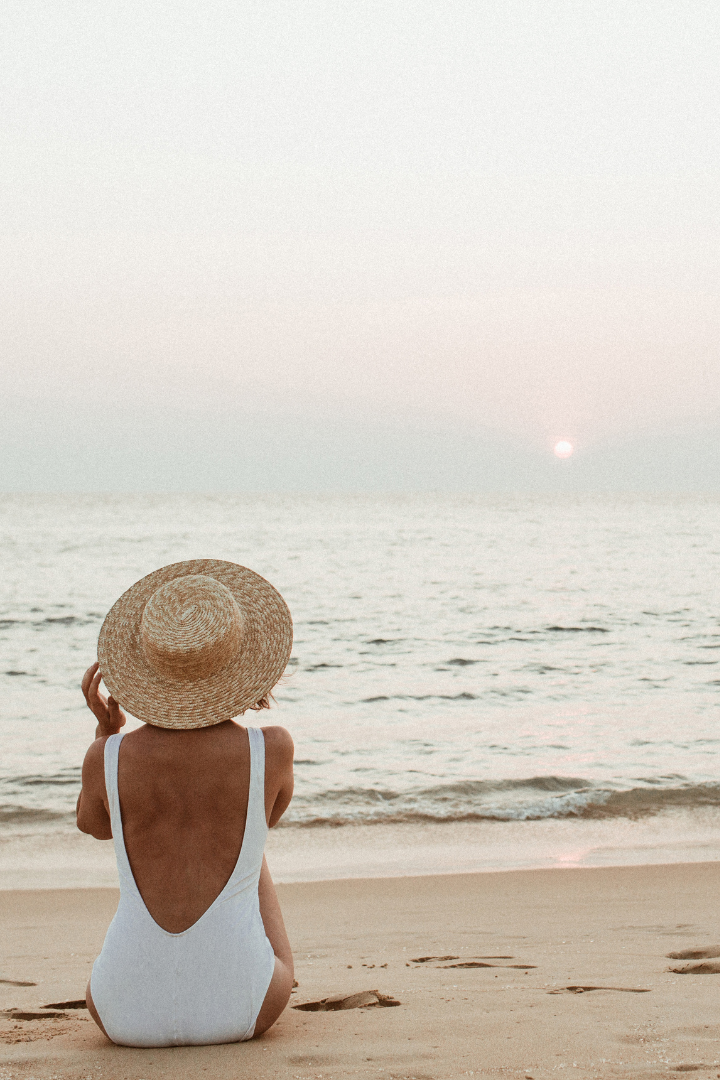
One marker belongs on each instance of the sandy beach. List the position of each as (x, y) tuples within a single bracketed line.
[(499, 1005)]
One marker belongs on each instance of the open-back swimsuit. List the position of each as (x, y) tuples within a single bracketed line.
[(206, 984)]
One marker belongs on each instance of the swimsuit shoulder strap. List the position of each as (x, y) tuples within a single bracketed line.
[(256, 830), (112, 752), (256, 796), (249, 861)]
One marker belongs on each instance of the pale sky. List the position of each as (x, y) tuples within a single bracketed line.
[(492, 221)]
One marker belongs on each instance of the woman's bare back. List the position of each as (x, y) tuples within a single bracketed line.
[(183, 797)]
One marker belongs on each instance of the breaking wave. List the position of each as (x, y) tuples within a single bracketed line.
[(36, 799), (531, 799)]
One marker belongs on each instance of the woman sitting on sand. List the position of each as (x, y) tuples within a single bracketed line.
[(197, 952)]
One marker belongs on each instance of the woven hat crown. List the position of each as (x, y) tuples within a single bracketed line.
[(191, 627), (195, 643)]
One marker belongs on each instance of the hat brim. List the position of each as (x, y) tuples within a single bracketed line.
[(201, 702)]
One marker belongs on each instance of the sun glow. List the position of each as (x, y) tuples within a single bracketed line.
[(563, 449)]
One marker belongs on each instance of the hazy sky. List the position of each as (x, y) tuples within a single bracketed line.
[(465, 216)]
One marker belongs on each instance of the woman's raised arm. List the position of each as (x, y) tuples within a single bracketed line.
[(92, 810)]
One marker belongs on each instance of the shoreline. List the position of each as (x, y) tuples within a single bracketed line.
[(358, 880), (523, 939), (65, 858)]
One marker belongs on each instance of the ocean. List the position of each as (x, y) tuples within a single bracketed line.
[(477, 683)]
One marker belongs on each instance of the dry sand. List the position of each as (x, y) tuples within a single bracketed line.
[(609, 927)]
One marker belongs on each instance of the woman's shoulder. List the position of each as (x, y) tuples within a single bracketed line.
[(278, 741), (280, 747)]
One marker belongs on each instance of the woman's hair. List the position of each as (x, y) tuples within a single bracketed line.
[(263, 703), (268, 700)]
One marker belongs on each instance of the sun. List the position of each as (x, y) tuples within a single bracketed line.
[(564, 449)]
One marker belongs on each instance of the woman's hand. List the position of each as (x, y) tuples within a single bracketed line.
[(110, 716)]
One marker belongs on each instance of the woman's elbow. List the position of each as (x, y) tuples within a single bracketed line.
[(95, 825), (99, 832)]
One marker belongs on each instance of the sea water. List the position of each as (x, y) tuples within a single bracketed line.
[(476, 683)]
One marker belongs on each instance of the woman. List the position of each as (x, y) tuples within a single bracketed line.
[(197, 952)]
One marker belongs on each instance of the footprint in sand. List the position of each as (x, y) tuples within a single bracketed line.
[(695, 954), (586, 989), (55, 1010), (466, 964), (426, 959), (478, 964), (712, 968), (690, 1068), (28, 1014), (77, 1003), (366, 999), (471, 962)]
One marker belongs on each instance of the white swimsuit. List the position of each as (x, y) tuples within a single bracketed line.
[(207, 984)]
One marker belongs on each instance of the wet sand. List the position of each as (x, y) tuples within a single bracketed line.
[(528, 940)]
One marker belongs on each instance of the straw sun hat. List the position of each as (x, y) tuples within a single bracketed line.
[(195, 643)]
